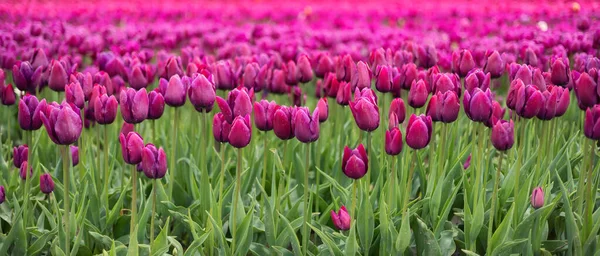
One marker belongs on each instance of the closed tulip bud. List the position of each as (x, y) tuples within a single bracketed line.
[(548, 109), (341, 220), (377, 58), (74, 155), (29, 113), (393, 141), (250, 74), (241, 132), (278, 85), (345, 68), (173, 68), (221, 128), (202, 94), (296, 96), (467, 163), (7, 95), (511, 98), (290, 73), (131, 147), (355, 162), (397, 107), (418, 131), (529, 101), (561, 75), (417, 96), (530, 57), (503, 136), (282, 123), (20, 155), (478, 105), (305, 125), (443, 107), (156, 105), (105, 109), (443, 82), (331, 85), (138, 77), (39, 59), (27, 78), (591, 127), (63, 123), (323, 107), (57, 78), (563, 99), (365, 110), (46, 183), (539, 80), (477, 79), (263, 114), (523, 72), (263, 78), (494, 65), (175, 92), (134, 105), (2, 194), (427, 56), (154, 162), (462, 62), (23, 171), (324, 66), (497, 113), (362, 79), (304, 72), (407, 74), (383, 78), (74, 94), (97, 91), (127, 128), (238, 103), (224, 76), (344, 94), (537, 198), (585, 89), (86, 81)]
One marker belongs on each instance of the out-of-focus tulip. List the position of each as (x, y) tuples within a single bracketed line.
[(324, 66), (393, 141), (537, 198), (249, 77), (241, 132), (74, 155), (497, 113), (331, 86), (345, 69), (221, 128), (46, 183), (383, 79), (478, 105), (427, 56), (563, 99), (477, 79), (462, 62), (397, 107), (263, 114), (74, 94), (131, 147), (503, 136), (444, 82), (138, 77), (323, 107), (290, 73), (127, 128), (58, 77), (2, 194), (513, 90), (156, 105), (278, 85), (105, 109), (591, 126), (548, 109), (362, 79), (417, 96), (539, 80), (238, 103), (344, 94), (561, 74), (173, 67), (175, 92), (296, 96), (39, 59), (529, 101), (304, 72), (305, 125), (154, 162), (7, 95), (134, 105), (586, 89), (418, 131), (494, 65), (24, 169), (365, 110), (223, 75), (467, 163), (26, 78), (523, 72), (282, 123), (443, 107), (29, 113), (86, 82), (405, 77), (20, 155), (202, 94), (341, 220), (63, 123), (355, 162)]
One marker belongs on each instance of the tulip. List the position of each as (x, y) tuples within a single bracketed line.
[(467, 163), (131, 147), (263, 78), (102, 78), (57, 78), (417, 96), (377, 58), (323, 107), (156, 105), (238, 103), (20, 155), (383, 78), (223, 75), (278, 85), (39, 59), (7, 95), (331, 86), (511, 98), (74, 94), (427, 56), (393, 121), (529, 101), (74, 155), (362, 79), (443, 107), (304, 72), (405, 77), (478, 105), (263, 114), (548, 109), (221, 128), (249, 78), (355, 162), (345, 68), (494, 65), (282, 123), (46, 183), (497, 113), (127, 128), (23, 171), (365, 110), (561, 75), (105, 109), (530, 57), (26, 78), (324, 66), (397, 107), (63, 123), (29, 113), (523, 72), (344, 94), (290, 73), (175, 92), (393, 141), (444, 82), (116, 67), (586, 89), (296, 96), (539, 80), (563, 99), (462, 62), (241, 132), (477, 79), (591, 126), (154, 162), (537, 198), (138, 77), (341, 220), (2, 194), (173, 67), (305, 125), (418, 131), (502, 135), (134, 105)]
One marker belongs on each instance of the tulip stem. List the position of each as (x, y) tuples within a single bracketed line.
[(543, 146), (67, 209), (221, 178), (236, 195), (80, 146), (153, 214), (307, 211), (154, 130), (106, 169), (369, 168), (392, 184), (353, 210), (28, 138), (582, 171), (174, 150), (132, 231), (590, 196), (408, 184), (264, 170), (494, 198), (520, 156)]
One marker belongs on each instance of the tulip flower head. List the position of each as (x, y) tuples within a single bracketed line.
[(563, 99), (417, 96), (591, 126), (202, 94), (241, 132), (74, 94), (282, 123), (20, 155), (304, 72), (131, 147), (29, 113), (23, 171), (443, 107), (586, 88), (323, 107), (462, 62), (365, 110), (134, 105), (105, 109), (341, 219), (503, 136), (548, 109), (362, 79), (74, 155), (46, 183), (7, 95), (383, 78), (537, 198), (355, 162), (467, 163), (344, 94), (561, 74), (263, 114), (393, 140), (175, 92), (397, 107), (27, 78), (154, 162), (494, 64), (478, 105), (2, 194), (238, 103), (62, 122), (529, 101), (477, 79), (305, 125), (156, 105), (221, 128), (58, 77), (418, 131)]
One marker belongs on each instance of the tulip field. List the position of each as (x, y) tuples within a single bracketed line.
[(305, 128)]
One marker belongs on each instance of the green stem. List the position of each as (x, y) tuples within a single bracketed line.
[(353, 209), (317, 174), (369, 168), (154, 130), (236, 195), (408, 184), (582, 172), (81, 148), (590, 195), (153, 214), (392, 184), (494, 198), (264, 170), (520, 155), (133, 199), (174, 150), (221, 179), (307, 212), (106, 169), (67, 209)]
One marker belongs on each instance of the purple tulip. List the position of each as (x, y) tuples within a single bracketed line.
[(344, 94), (282, 123), (296, 96), (39, 59), (29, 113), (249, 78), (397, 107), (278, 85), (238, 103), (341, 220), (46, 183), (304, 72), (497, 113), (305, 125), (383, 78), (548, 109), (175, 92), (417, 96), (418, 131), (502, 135), (7, 95), (523, 72), (345, 68), (563, 99), (494, 65), (478, 105), (331, 86), (355, 162), (57, 78), (74, 155), (156, 105), (20, 155), (477, 79), (127, 128), (443, 107), (365, 110), (393, 141), (23, 171), (241, 132), (202, 94), (26, 78), (224, 76), (529, 101), (405, 77), (131, 147), (263, 114), (154, 162), (561, 75), (467, 163), (134, 105), (427, 56), (444, 82), (2, 194), (63, 123), (138, 77), (462, 62), (221, 128), (173, 68), (105, 109), (324, 66), (511, 98), (290, 73), (85, 81), (537, 198), (591, 127), (323, 107), (74, 94), (586, 89), (362, 78)]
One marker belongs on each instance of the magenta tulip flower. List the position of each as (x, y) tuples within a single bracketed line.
[(173, 68), (139, 76), (304, 72), (74, 155), (365, 110), (355, 162), (462, 62), (443, 107), (27, 78), (86, 82), (417, 96), (7, 95), (344, 94), (131, 147), (586, 89), (221, 128), (418, 131), (134, 105), (494, 64), (323, 108), (407, 74), (443, 82), (427, 56), (23, 171), (175, 92), (511, 98), (58, 77), (397, 107), (467, 163), (263, 114), (383, 78), (345, 68), (46, 183), (591, 126), (105, 109), (502, 135), (241, 132), (529, 101), (324, 65), (331, 86), (74, 94), (393, 141), (563, 99), (224, 76), (2, 194), (20, 154), (249, 78), (478, 105), (202, 94), (341, 219), (29, 113), (523, 72), (305, 125), (156, 105), (238, 103), (537, 198), (282, 123), (63, 123), (154, 162), (477, 79), (560, 72), (548, 109), (362, 79)]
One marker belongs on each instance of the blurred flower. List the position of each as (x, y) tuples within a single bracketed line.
[(467, 163), (393, 141), (282, 123), (26, 78), (418, 131), (175, 92), (397, 107), (23, 171), (7, 95), (241, 132), (74, 155), (221, 128), (443, 107), (304, 73), (154, 162), (156, 105), (502, 135), (362, 77), (238, 103), (223, 75), (20, 155), (355, 162), (383, 78), (462, 62), (2, 194), (537, 198), (127, 128), (561, 75), (365, 110), (131, 147), (46, 183), (591, 127), (29, 113), (305, 125), (586, 89), (263, 114), (74, 94), (134, 105), (342, 219), (323, 108), (57, 78), (344, 94), (427, 56), (417, 96), (494, 65), (202, 94), (105, 109)]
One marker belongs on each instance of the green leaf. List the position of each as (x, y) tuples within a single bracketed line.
[(366, 222), (161, 245), (331, 246), (290, 232), (404, 236), (426, 242), (506, 247), (502, 233), (351, 243), (194, 246)]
